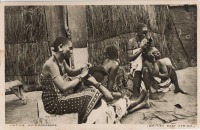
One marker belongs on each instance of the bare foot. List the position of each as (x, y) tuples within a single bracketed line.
[(144, 104), (142, 96), (146, 100), (180, 91), (153, 97)]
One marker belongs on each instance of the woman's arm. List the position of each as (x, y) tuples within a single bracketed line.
[(106, 93), (72, 72), (132, 44), (58, 80), (163, 72)]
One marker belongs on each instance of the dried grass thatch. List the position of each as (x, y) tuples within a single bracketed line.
[(25, 24), (26, 42), (112, 25)]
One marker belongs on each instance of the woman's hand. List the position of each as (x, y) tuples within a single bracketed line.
[(152, 58), (89, 65), (84, 72), (144, 45), (92, 80), (143, 42)]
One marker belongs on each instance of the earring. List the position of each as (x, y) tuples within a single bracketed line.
[(60, 47)]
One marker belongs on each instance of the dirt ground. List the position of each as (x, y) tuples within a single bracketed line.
[(16, 112)]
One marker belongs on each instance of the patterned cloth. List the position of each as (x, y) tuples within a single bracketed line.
[(109, 114), (57, 102)]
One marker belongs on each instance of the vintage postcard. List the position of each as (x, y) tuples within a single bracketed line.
[(99, 65)]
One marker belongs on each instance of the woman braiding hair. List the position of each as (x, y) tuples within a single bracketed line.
[(58, 93)]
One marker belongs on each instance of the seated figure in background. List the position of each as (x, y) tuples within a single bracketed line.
[(159, 74)]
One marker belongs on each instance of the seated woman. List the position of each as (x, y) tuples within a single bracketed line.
[(159, 74), (58, 96), (116, 80)]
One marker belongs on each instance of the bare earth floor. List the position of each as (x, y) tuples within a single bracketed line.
[(16, 112)]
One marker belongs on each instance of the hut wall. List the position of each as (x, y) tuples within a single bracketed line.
[(105, 23), (26, 42), (55, 22), (29, 31), (116, 24), (185, 38), (77, 25)]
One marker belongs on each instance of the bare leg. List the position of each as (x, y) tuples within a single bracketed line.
[(147, 79), (136, 83), (139, 100), (144, 104), (174, 79)]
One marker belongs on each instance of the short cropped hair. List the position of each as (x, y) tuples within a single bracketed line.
[(112, 52)]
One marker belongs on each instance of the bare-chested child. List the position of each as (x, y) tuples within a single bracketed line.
[(116, 80), (159, 73)]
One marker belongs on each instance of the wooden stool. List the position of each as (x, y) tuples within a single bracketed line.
[(46, 118), (17, 88)]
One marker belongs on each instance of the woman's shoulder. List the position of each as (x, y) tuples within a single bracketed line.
[(49, 67), (49, 63), (165, 60)]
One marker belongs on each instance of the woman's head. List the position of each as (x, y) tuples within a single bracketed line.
[(142, 29), (155, 52), (64, 45), (112, 52)]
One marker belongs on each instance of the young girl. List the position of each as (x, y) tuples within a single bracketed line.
[(116, 81)]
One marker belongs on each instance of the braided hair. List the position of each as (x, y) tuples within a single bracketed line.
[(100, 69), (112, 52), (91, 72)]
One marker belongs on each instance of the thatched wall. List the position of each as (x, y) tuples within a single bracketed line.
[(24, 24), (184, 49), (29, 30), (55, 22), (112, 25), (77, 25), (26, 43)]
